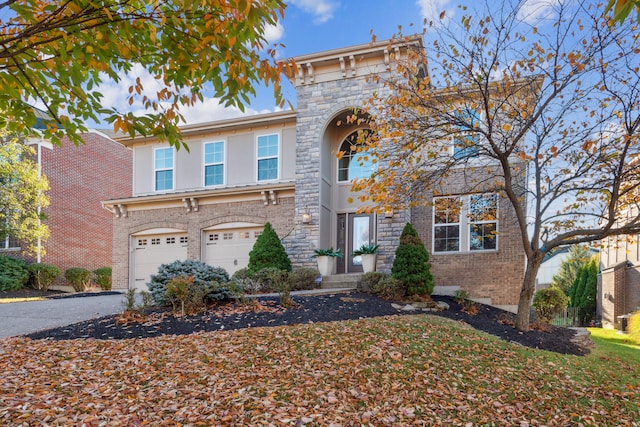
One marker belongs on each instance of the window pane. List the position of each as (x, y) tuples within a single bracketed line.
[(164, 180), (447, 210), (446, 238), (482, 237), (214, 152), (354, 164), (268, 146), (164, 158), (214, 175), (482, 207), (267, 169)]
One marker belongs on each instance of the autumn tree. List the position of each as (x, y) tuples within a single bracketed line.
[(22, 196), (57, 53), (544, 114), (622, 8)]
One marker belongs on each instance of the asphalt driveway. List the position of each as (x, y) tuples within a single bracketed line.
[(20, 318)]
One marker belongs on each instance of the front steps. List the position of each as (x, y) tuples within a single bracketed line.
[(341, 281)]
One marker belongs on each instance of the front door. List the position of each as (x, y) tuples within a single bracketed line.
[(354, 230)]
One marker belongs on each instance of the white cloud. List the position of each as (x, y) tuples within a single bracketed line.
[(321, 9), (532, 11), (274, 33), (431, 10)]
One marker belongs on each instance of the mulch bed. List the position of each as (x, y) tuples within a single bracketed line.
[(267, 311)]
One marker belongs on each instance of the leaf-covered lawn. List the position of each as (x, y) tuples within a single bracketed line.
[(407, 370)]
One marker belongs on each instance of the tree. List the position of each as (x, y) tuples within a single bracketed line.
[(545, 116), (578, 256), (57, 53), (268, 252), (22, 196), (622, 8), (411, 263)]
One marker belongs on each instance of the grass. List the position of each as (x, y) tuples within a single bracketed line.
[(611, 343), (24, 299), (405, 370)]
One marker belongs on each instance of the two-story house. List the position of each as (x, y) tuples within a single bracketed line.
[(211, 202)]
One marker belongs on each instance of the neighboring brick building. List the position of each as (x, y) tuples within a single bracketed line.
[(212, 202), (80, 177)]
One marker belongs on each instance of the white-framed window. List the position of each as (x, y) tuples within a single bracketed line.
[(268, 153), (465, 223), (8, 242), (354, 162), (466, 143), (163, 168), (214, 163)]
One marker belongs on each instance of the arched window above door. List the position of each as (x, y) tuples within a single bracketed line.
[(355, 162)]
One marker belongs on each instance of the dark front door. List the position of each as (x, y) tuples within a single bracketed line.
[(354, 230)]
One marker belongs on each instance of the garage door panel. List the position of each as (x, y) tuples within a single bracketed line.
[(154, 250), (229, 249)]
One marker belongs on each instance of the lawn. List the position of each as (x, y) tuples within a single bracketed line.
[(400, 370)]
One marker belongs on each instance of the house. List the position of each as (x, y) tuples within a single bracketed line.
[(80, 177), (619, 278), (211, 202), (551, 266)]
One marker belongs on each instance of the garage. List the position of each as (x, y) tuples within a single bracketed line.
[(228, 245), (154, 248)]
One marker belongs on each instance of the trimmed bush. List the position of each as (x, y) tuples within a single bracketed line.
[(102, 278), (411, 264), (78, 277), (43, 275), (304, 278), (210, 280), (13, 273), (268, 252), (389, 288), (191, 299), (548, 303), (370, 280)]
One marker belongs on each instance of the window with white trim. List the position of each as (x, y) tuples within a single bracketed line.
[(214, 163), (268, 148), (466, 143), (355, 161), (465, 223), (8, 242), (163, 169)]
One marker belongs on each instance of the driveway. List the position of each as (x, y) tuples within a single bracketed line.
[(21, 318)]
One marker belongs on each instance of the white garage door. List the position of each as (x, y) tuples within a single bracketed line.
[(153, 250), (229, 248)]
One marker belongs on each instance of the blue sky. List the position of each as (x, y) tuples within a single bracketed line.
[(311, 26)]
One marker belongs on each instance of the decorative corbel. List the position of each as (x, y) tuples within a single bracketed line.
[(186, 204), (264, 197), (352, 60), (123, 210), (343, 68), (272, 196), (194, 204)]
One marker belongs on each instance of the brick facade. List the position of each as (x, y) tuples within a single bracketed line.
[(618, 293), (80, 177)]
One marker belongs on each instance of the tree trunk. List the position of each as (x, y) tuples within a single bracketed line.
[(526, 292)]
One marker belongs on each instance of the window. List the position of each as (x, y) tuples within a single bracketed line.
[(214, 163), (171, 240), (8, 242), (163, 167), (267, 157), (466, 142), (465, 223), (355, 162)]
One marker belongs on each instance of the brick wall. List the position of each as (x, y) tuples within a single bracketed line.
[(208, 215), (80, 177)]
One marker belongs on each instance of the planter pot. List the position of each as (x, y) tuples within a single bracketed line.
[(325, 265), (368, 262)]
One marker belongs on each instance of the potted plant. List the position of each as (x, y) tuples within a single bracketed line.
[(368, 254), (325, 259)]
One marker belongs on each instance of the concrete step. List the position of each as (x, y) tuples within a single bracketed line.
[(341, 281)]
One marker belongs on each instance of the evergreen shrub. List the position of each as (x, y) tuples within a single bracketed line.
[(548, 303), (212, 281), (268, 252), (43, 275), (370, 280), (102, 278), (304, 278), (13, 273), (389, 288), (411, 264)]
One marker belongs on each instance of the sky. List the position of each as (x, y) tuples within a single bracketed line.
[(311, 26)]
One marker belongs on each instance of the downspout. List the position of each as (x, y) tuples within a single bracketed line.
[(39, 155)]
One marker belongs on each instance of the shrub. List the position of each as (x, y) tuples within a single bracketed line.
[(245, 282), (634, 327), (102, 278), (192, 299), (43, 275), (268, 252), (461, 295), (211, 280), (411, 264), (304, 279), (13, 273), (548, 303), (78, 277), (370, 280), (389, 288)]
